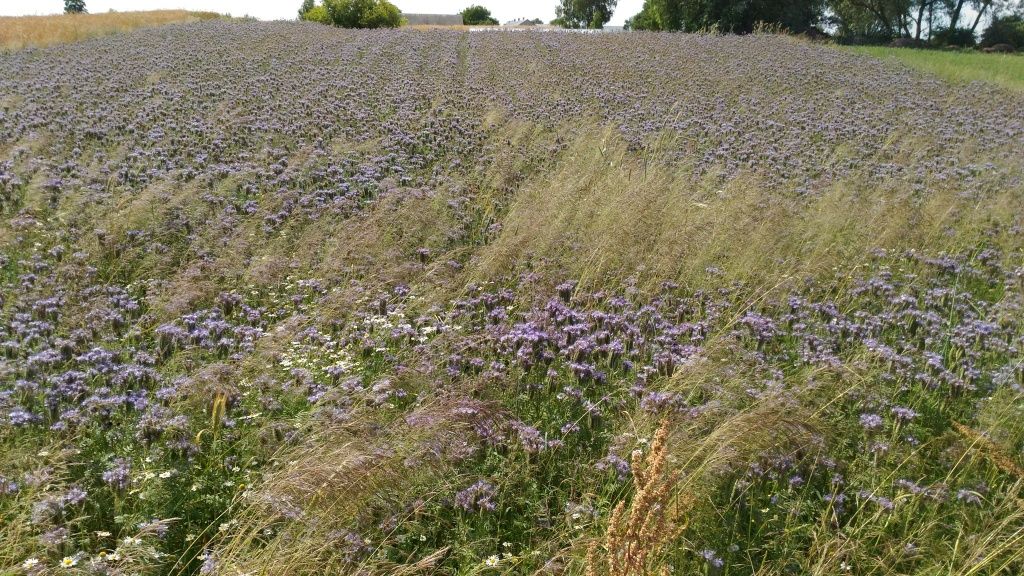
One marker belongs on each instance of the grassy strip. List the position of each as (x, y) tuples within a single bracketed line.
[(1006, 70)]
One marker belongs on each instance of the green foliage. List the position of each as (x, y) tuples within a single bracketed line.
[(642, 20), (584, 13), (477, 15), (963, 37), (74, 6), (1005, 30), (658, 15), (873, 21), (853, 21), (736, 16), (307, 5), (317, 14), (363, 13), (941, 22)]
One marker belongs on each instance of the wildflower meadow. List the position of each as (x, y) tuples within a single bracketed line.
[(286, 299)]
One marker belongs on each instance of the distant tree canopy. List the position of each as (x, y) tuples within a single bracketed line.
[(74, 6), (353, 13), (584, 13), (940, 21), (1005, 30), (738, 16), (873, 20), (317, 14), (477, 15)]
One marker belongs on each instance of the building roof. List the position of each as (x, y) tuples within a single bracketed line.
[(520, 22)]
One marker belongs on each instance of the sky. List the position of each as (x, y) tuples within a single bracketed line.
[(503, 10)]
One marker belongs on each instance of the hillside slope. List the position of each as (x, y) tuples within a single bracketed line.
[(285, 299)]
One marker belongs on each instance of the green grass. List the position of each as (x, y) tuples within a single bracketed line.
[(1005, 70)]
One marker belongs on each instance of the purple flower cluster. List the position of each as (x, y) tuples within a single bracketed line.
[(478, 497), (118, 476)]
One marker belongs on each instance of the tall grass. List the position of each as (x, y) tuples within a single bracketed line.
[(606, 216), (1005, 70), (27, 31)]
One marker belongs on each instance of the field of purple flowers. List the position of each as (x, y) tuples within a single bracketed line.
[(286, 299)]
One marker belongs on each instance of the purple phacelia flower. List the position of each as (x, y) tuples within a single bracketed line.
[(968, 497), (711, 557), (478, 497), (903, 414), (871, 421), (119, 475)]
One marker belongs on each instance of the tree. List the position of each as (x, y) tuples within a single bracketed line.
[(1004, 30), (922, 6), (954, 33), (937, 21), (737, 16), (980, 7), (74, 6), (584, 13), (658, 15), (883, 20), (643, 20), (317, 14), (307, 5), (477, 15), (873, 21), (363, 13)]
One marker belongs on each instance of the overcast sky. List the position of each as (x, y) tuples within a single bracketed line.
[(503, 10)]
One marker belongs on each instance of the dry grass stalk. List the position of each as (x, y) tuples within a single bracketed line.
[(425, 565), (996, 455), (636, 536)]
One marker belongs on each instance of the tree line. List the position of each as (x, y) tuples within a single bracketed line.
[(916, 22), (910, 22), (375, 14), (939, 21)]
